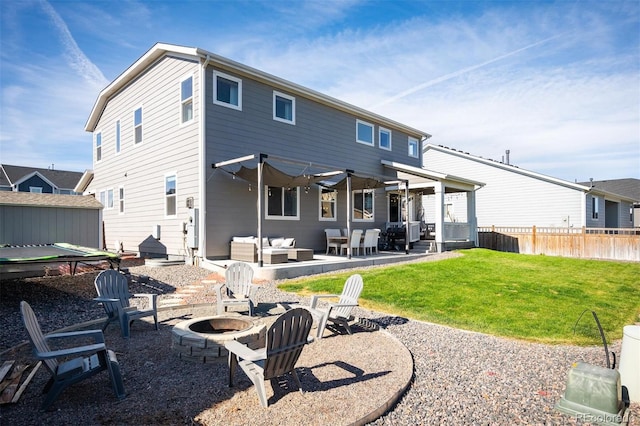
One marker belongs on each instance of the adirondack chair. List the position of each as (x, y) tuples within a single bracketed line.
[(240, 290), (337, 313), (87, 360), (113, 293), (285, 340)]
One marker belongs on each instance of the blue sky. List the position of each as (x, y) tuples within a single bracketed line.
[(555, 82)]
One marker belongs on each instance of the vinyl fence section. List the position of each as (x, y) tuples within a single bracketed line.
[(588, 243)]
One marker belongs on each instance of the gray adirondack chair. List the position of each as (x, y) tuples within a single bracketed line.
[(340, 312), (70, 365), (239, 289), (285, 340), (113, 293)]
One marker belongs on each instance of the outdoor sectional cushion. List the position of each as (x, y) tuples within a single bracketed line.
[(245, 248)]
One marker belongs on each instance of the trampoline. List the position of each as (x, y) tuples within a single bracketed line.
[(54, 253)]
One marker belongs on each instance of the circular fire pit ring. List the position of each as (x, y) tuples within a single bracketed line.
[(202, 339)]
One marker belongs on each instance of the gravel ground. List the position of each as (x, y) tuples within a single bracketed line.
[(459, 377)]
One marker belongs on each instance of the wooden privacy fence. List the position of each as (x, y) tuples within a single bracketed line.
[(589, 243)]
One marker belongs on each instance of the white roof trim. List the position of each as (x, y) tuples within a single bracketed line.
[(161, 49), (429, 174)]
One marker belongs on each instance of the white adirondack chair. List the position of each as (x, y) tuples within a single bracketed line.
[(340, 312), (239, 288)]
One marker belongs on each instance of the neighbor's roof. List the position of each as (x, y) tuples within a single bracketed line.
[(625, 187), (11, 198), (535, 175), (60, 178), (161, 49)]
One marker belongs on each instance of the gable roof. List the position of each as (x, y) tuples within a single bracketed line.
[(515, 169), (160, 50), (11, 198), (626, 187), (61, 179)]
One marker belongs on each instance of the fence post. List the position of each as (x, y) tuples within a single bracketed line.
[(533, 240)]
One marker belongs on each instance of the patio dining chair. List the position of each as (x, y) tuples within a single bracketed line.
[(353, 243), (370, 242), (332, 244)]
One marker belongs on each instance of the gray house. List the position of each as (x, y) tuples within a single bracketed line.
[(515, 197), (192, 149), (39, 180)]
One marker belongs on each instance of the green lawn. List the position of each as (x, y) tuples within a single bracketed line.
[(535, 298)]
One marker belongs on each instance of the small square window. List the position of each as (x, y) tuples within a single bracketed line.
[(384, 138), (413, 148), (227, 91), (364, 132), (284, 108)]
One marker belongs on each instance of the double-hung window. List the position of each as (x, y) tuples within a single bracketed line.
[(117, 136), (227, 90), (171, 204), (363, 205), (384, 138), (98, 146), (413, 148), (284, 108), (121, 199), (109, 198), (328, 204), (103, 198), (186, 100), (364, 132), (137, 125), (283, 203)]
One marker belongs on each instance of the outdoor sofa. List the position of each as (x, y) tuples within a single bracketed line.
[(274, 250)]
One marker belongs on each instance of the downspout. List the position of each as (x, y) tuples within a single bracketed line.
[(202, 238), (406, 222)]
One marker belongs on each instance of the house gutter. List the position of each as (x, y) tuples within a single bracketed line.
[(202, 237)]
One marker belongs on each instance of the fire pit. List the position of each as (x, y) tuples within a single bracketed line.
[(202, 339)]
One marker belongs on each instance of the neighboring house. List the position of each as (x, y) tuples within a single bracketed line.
[(32, 179), (171, 133), (515, 197), (626, 187)]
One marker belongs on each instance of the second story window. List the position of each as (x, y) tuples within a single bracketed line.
[(364, 132), (384, 138), (98, 146), (284, 108), (413, 148), (186, 99), (171, 204), (137, 125), (227, 90), (117, 136)]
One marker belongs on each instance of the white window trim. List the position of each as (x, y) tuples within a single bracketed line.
[(110, 201), (373, 205), (121, 200), (102, 198), (35, 189), (373, 133), (118, 137), (384, 130), (141, 108), (327, 219), (411, 140), (183, 102), (293, 108), (165, 196), (267, 216), (95, 145), (217, 74)]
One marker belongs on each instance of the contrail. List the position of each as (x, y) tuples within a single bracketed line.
[(77, 59), (459, 72)]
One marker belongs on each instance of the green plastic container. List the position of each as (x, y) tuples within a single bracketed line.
[(593, 394)]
